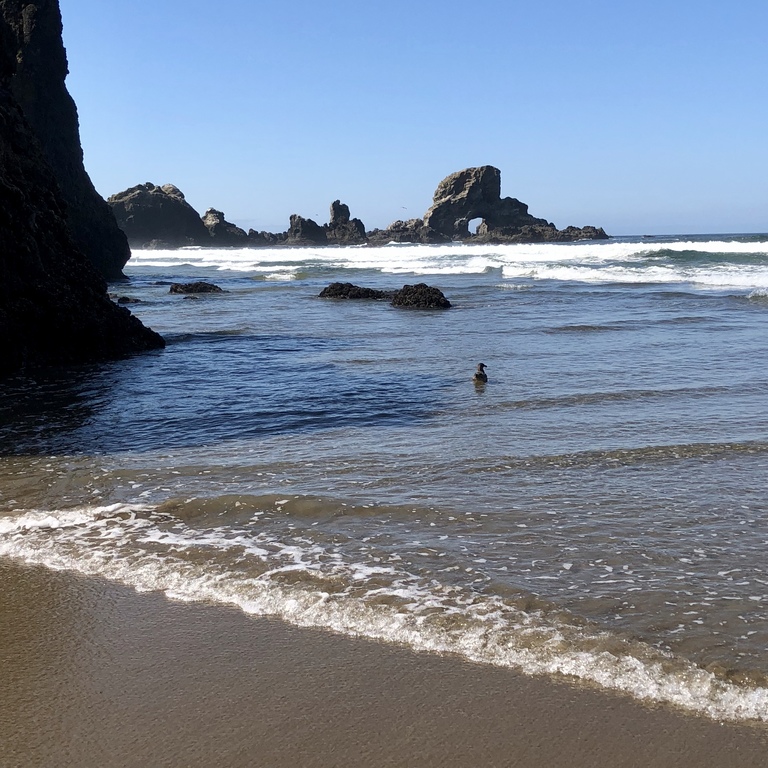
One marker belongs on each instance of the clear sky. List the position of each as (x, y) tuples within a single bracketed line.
[(642, 117)]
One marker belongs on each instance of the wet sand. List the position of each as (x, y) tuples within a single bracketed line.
[(95, 675)]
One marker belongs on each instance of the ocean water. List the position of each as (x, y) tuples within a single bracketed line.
[(597, 510)]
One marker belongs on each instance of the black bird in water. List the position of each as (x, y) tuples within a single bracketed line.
[(480, 376)]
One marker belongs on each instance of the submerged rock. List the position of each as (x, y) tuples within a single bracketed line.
[(198, 287)]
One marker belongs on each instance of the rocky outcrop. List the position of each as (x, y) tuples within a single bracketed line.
[(54, 306), (351, 291), (475, 193), (158, 217), (264, 239), (221, 231), (419, 296), (201, 286), (411, 231), (471, 194), (305, 232), (343, 230), (33, 37)]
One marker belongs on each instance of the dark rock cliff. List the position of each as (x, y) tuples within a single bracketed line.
[(222, 231), (342, 229), (54, 307), (34, 37)]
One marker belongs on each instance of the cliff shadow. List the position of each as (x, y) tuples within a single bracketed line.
[(206, 388)]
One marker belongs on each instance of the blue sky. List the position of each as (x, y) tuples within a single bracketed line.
[(643, 118)]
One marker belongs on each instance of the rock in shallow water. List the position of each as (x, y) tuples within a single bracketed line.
[(350, 291), (199, 287), (419, 296)]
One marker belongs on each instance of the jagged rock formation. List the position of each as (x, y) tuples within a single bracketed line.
[(221, 231), (411, 231), (343, 230), (419, 296), (475, 193), (54, 307), (305, 232), (37, 83), (158, 217), (263, 239)]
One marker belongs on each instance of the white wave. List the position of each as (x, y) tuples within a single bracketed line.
[(598, 262), (715, 278), (123, 543)]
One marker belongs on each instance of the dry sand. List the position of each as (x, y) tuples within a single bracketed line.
[(95, 675)]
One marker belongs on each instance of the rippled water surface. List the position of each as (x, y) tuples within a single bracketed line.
[(597, 509)]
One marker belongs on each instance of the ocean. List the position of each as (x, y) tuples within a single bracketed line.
[(597, 510)]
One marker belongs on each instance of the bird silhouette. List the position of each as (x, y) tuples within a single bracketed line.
[(480, 377)]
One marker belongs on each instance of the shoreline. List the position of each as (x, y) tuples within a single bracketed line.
[(99, 675)]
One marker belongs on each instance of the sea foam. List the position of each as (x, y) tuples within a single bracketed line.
[(139, 547)]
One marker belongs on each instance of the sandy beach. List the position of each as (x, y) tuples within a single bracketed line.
[(95, 674)]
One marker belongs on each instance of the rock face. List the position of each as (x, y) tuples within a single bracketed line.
[(305, 232), (341, 229), (153, 216), (221, 231), (474, 193), (263, 239), (411, 231), (54, 307), (34, 39)]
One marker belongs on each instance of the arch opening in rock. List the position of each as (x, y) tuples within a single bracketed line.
[(473, 224)]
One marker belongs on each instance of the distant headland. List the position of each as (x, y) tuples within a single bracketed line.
[(160, 217)]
